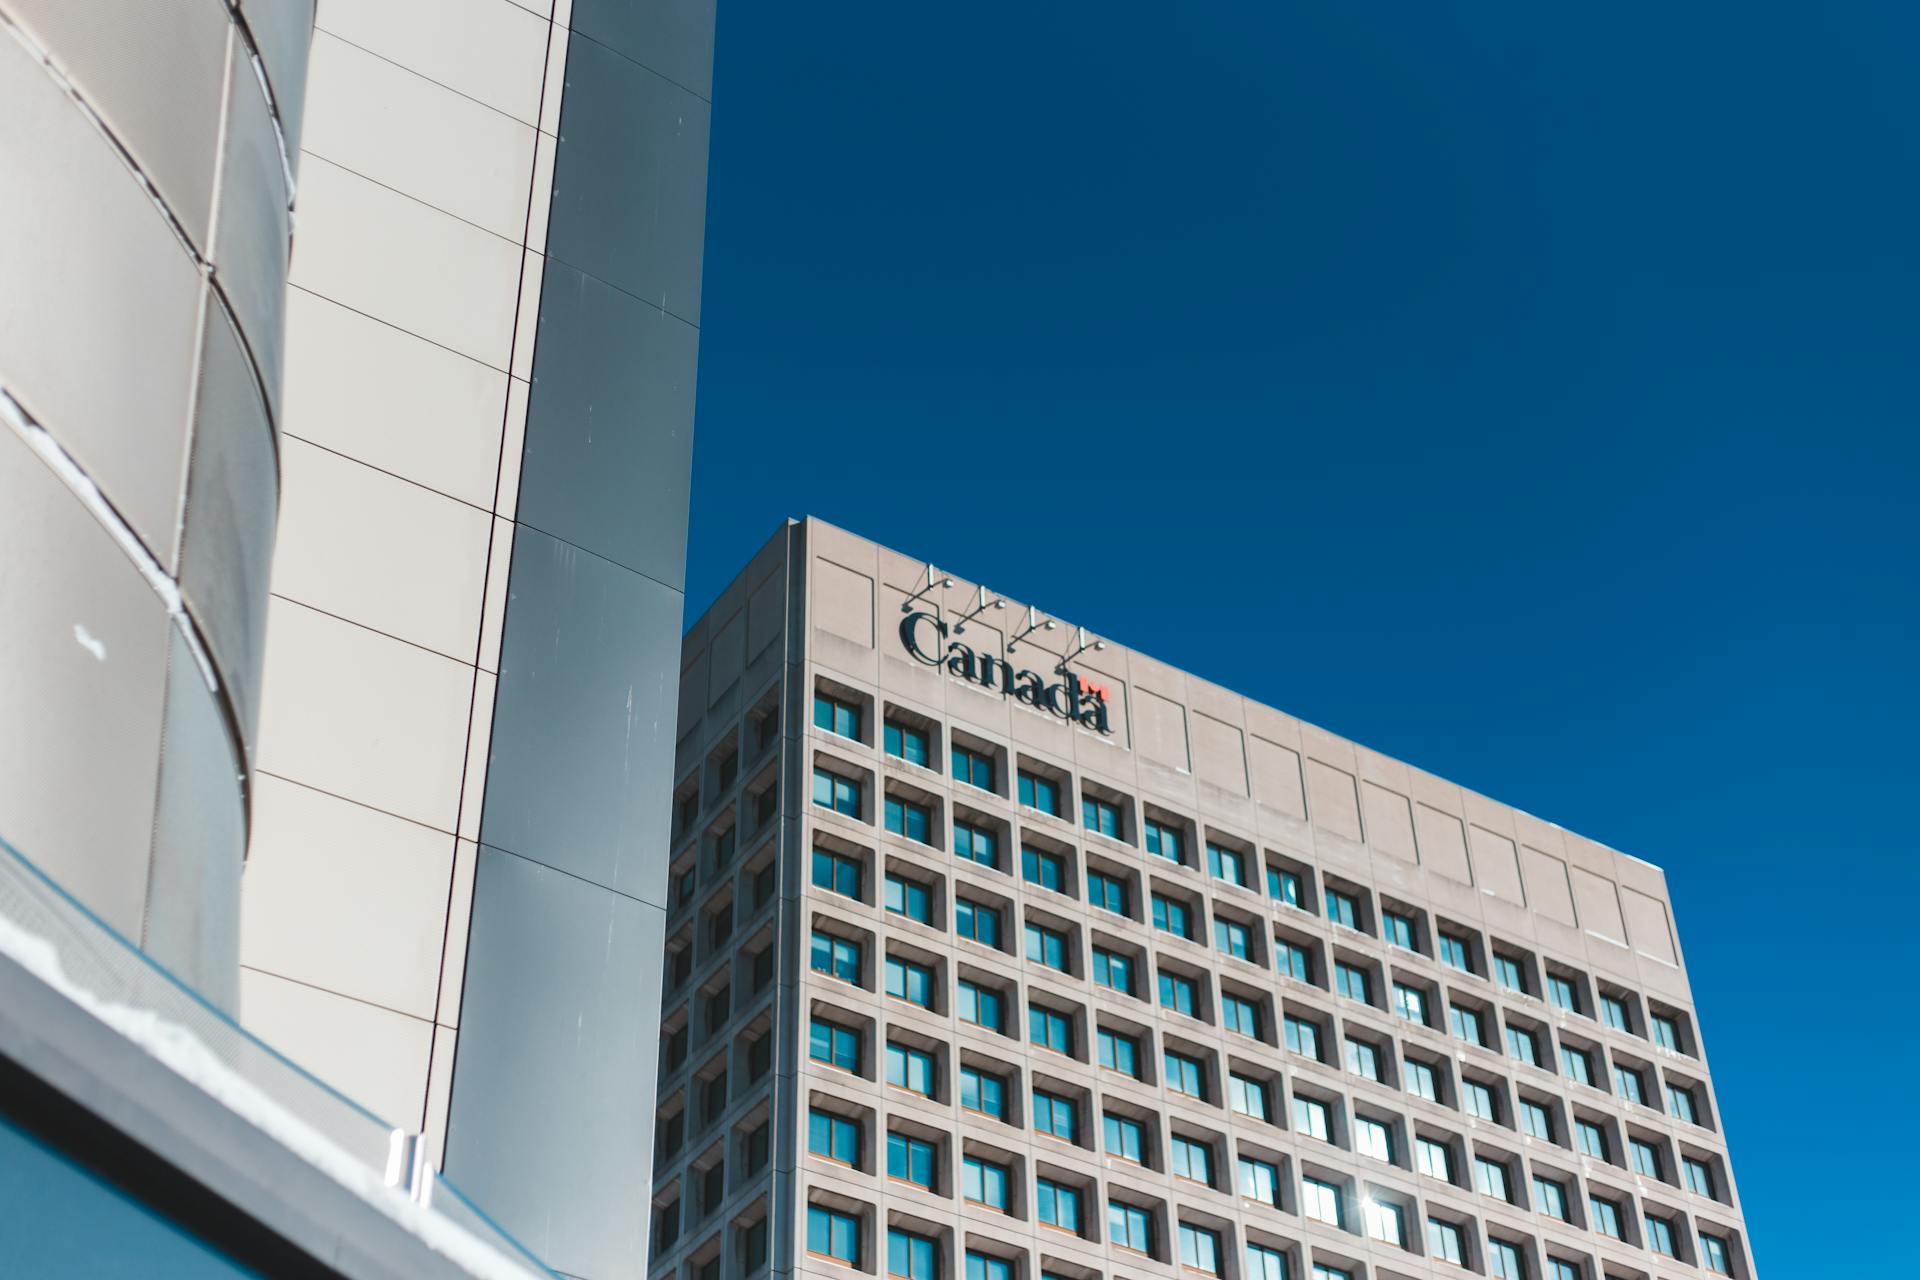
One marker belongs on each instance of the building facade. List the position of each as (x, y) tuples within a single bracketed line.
[(1000, 954), (452, 907)]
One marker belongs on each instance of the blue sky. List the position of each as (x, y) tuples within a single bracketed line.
[(1531, 394)]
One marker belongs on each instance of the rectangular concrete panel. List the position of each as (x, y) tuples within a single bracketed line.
[(1496, 864), (1443, 844), (579, 772), (1276, 778), (609, 439), (1649, 928), (1548, 891), (630, 179), (844, 602), (553, 1082), (1219, 754), (493, 51), (1389, 822), (1597, 903), (1332, 800), (374, 1056)]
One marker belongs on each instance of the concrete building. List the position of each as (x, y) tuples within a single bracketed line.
[(419, 285), (997, 953)]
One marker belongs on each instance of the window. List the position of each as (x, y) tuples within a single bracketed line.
[(1422, 1081), (1049, 1029), (977, 921), (975, 844), (1397, 929), (910, 982), (1491, 1177), (1184, 1074), (1644, 1157), (1560, 991), (1343, 908), (1046, 946), (1660, 1235), (1505, 1260), (1456, 952), (1604, 1214), (1384, 1222), (1053, 1114), (1056, 1204), (1593, 1139), (1629, 1085), (1320, 1200), (1199, 1249), (1561, 1269), (1178, 993), (1363, 1059), (1283, 886), (1264, 1263), (1351, 982), (1666, 1031), (1247, 1096), (984, 1182), (834, 1044), (834, 1137), (1163, 841), (1410, 1003), (1190, 1160), (832, 1234), (981, 1006), (1233, 938), (1258, 1180), (1239, 1014), (1698, 1175), (1523, 1046), (1550, 1197), (1113, 970), (984, 1092), (1466, 1024), (907, 743), (1129, 1227), (1124, 1138), (1508, 971), (1680, 1104), (1119, 1053), (1434, 1159), (1613, 1012), (1109, 893), (1293, 959), (1445, 1241), (910, 1160), (836, 956), (1048, 870), (1226, 864), (1322, 1271), (1098, 815), (910, 1069), (911, 1255), (1576, 1065), (1372, 1138), (981, 1266), (1312, 1117), (831, 791), (1303, 1037), (975, 768), (1173, 916), (835, 716), (906, 818), (1536, 1120), (1039, 793), (836, 873), (1477, 1099), (1715, 1254)]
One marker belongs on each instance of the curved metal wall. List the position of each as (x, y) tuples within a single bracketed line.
[(148, 155)]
